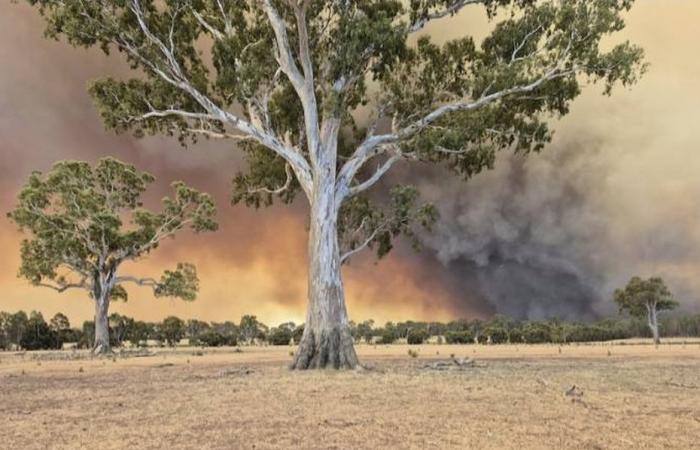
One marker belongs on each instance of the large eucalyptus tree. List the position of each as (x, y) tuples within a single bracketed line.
[(85, 222), (288, 79)]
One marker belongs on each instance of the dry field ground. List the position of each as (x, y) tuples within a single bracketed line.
[(633, 397)]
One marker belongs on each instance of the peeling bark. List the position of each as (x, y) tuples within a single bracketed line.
[(101, 345), (326, 342)]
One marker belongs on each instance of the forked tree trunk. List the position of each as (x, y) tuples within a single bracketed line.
[(101, 345), (326, 342)]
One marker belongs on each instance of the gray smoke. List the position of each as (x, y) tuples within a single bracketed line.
[(525, 237)]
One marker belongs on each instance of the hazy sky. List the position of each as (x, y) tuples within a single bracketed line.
[(616, 194)]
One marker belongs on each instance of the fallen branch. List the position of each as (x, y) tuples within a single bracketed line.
[(452, 364)]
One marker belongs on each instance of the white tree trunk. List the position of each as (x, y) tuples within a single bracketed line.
[(101, 344), (653, 323), (326, 342), (102, 288)]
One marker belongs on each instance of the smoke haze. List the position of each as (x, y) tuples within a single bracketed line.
[(616, 194)]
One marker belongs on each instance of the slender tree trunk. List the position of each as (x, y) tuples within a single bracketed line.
[(653, 323), (326, 342), (101, 344)]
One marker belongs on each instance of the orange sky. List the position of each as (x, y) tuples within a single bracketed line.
[(255, 263)]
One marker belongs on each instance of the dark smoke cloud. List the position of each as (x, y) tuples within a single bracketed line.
[(523, 238), (616, 194)]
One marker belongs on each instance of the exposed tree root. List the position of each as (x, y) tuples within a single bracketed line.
[(326, 349), (100, 349)]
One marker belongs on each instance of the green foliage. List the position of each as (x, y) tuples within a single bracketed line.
[(365, 331), (4, 335), (280, 336), (536, 333), (417, 336), (226, 333), (497, 335), (641, 295), (515, 336), (388, 334), (251, 328), (363, 220), (459, 337), (88, 334), (119, 327), (212, 338), (181, 282), (38, 335), (457, 103), (84, 221), (173, 330), (195, 328), (138, 333), (298, 333)]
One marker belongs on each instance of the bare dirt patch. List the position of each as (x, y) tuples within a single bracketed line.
[(586, 396)]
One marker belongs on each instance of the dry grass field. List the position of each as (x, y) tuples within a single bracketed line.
[(628, 397)]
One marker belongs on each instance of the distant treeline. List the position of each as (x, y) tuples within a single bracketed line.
[(32, 332)]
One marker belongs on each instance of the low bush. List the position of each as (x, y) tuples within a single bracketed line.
[(459, 337), (497, 335), (416, 337), (216, 339), (280, 336)]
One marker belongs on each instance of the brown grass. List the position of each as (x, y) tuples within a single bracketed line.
[(634, 396)]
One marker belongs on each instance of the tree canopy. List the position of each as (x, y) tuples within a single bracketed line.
[(85, 221), (641, 295), (284, 78)]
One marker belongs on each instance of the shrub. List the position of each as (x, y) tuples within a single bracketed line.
[(298, 333), (537, 333), (38, 335), (498, 335), (482, 338), (138, 333), (213, 338), (515, 336), (280, 336), (172, 329), (416, 337), (388, 336), (459, 337)]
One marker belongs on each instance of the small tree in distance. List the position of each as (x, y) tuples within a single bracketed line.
[(173, 330), (645, 298), (75, 215), (250, 328)]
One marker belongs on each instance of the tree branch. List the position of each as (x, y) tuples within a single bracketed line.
[(345, 256), (280, 189), (179, 79), (62, 287), (303, 83), (372, 145), (376, 176), (448, 11), (150, 282)]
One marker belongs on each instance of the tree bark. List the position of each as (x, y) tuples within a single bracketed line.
[(326, 342), (101, 345), (653, 323)]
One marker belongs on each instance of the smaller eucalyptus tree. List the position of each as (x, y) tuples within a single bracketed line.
[(86, 221), (646, 298)]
